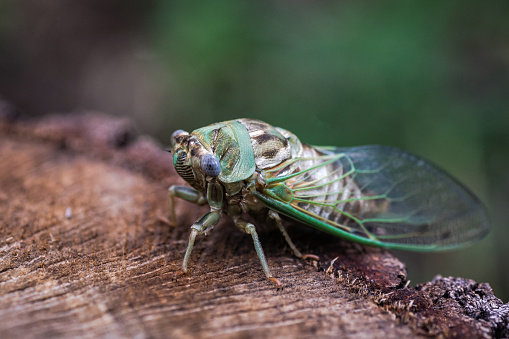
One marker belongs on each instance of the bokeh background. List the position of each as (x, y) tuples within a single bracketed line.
[(428, 76)]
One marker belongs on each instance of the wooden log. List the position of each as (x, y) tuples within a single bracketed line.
[(86, 250)]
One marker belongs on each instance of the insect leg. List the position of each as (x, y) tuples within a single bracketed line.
[(186, 193), (274, 216), (250, 229), (201, 226), (209, 220)]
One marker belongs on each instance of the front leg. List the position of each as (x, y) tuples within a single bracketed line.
[(208, 221), (201, 226), (185, 193)]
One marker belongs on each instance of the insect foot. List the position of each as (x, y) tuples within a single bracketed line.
[(310, 257), (276, 281), (178, 275)]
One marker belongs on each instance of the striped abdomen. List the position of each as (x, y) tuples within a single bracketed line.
[(326, 188)]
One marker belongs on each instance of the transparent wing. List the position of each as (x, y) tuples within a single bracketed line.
[(380, 196)]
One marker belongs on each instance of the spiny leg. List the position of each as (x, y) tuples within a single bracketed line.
[(185, 193), (250, 229), (274, 216), (201, 226), (209, 220)]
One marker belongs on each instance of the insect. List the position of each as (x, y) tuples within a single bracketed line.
[(372, 195)]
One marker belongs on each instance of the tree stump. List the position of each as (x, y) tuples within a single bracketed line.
[(86, 250)]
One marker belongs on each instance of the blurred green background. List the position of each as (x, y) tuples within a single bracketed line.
[(428, 76)]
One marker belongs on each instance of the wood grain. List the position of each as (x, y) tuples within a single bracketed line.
[(86, 251)]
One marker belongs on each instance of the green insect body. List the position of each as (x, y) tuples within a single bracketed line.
[(373, 195)]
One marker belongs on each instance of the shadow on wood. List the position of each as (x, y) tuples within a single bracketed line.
[(86, 250)]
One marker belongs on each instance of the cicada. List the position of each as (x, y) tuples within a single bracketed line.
[(373, 195)]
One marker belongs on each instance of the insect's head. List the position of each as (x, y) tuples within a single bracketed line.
[(192, 161)]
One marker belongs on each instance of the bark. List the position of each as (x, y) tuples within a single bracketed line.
[(86, 250)]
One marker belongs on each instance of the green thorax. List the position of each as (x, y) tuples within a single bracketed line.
[(244, 145), (231, 144)]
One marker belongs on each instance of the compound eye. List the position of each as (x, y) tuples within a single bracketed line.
[(210, 165)]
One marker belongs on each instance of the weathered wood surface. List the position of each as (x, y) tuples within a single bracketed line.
[(86, 251)]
